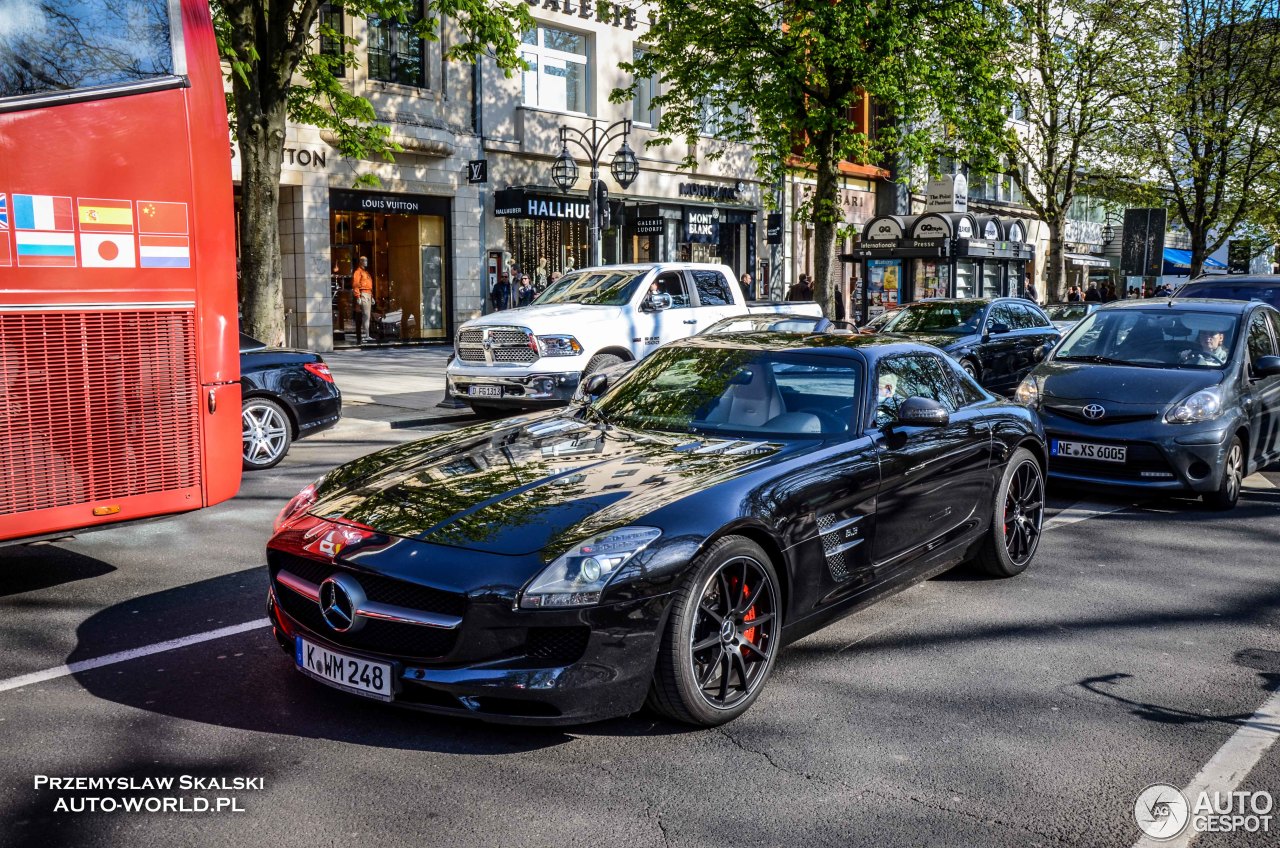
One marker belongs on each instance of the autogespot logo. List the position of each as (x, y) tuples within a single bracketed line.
[(1161, 811)]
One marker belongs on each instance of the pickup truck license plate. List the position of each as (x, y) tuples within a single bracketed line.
[(484, 391), (1085, 450), (352, 674)]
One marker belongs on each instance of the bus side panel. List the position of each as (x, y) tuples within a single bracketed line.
[(214, 247)]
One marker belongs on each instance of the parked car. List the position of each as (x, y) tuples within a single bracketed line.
[(1177, 396), (587, 320), (1263, 287), (728, 496), (877, 324), (286, 395), (996, 340), (1066, 315), (784, 322)]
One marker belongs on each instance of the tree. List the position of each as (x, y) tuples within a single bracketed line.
[(277, 74), (1204, 117), (1073, 63), (784, 78)]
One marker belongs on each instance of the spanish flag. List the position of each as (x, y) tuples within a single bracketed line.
[(104, 216)]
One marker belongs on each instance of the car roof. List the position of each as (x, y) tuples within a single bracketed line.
[(1234, 279), (869, 346), (1200, 304)]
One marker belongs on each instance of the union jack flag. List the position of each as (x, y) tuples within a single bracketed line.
[(4, 211)]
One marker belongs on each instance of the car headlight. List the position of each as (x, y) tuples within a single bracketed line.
[(1204, 405), (1028, 393), (301, 502), (558, 346), (578, 576)]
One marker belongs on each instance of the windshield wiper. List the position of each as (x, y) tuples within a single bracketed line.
[(1103, 360)]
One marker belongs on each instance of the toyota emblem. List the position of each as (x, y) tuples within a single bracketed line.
[(340, 600), (1094, 411)]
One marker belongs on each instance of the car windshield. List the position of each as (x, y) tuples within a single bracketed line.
[(763, 324), (1267, 293), (939, 317), (736, 392), (1066, 311), (1151, 338), (594, 287), (879, 322)]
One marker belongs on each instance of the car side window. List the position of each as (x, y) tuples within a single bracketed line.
[(672, 284), (1023, 317), (713, 290), (912, 375), (967, 390), (1260, 343), (1001, 313), (1036, 316), (1274, 318)]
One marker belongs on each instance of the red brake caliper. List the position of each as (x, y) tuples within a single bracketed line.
[(750, 633)]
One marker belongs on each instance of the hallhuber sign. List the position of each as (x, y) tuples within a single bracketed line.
[(519, 203)]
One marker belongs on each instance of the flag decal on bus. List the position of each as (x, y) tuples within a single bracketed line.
[(105, 216), (44, 234), (162, 235), (6, 256), (106, 233)]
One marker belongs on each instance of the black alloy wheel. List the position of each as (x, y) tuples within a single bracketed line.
[(1228, 491), (722, 638), (1018, 518)]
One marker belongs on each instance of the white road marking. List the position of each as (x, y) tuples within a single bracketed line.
[(1228, 768), (1083, 511), (131, 654)]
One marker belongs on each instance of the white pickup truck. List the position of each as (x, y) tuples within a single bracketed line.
[(587, 320)]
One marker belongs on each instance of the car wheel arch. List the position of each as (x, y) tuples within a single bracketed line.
[(284, 404), (621, 352), (763, 537)]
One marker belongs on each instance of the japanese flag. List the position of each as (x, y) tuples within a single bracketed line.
[(107, 250)]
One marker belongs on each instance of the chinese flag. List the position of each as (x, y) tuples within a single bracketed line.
[(155, 216)]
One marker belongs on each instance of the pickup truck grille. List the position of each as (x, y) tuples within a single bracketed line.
[(506, 345)]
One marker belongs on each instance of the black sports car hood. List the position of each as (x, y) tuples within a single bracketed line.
[(1121, 384), (541, 485)]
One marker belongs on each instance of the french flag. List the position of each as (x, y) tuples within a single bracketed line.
[(42, 212)]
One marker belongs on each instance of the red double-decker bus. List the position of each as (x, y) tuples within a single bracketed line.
[(119, 367)]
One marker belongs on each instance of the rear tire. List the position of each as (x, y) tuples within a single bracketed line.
[(265, 433), (487, 412), (1228, 492), (722, 637), (1017, 519)]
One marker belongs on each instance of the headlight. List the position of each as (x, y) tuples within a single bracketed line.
[(578, 576), (301, 502), (558, 346), (1204, 405), (1028, 393)]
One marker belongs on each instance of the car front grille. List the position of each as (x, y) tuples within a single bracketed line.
[(557, 645), (1075, 413), (507, 345)]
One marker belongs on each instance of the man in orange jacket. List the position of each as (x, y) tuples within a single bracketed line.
[(362, 288)]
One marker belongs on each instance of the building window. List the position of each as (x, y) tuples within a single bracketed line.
[(559, 69), (642, 109), (395, 52), (998, 187), (716, 119), (331, 33)]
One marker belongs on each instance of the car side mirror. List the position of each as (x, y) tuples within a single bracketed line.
[(997, 328), (595, 386), (654, 303), (1266, 366), (922, 412)]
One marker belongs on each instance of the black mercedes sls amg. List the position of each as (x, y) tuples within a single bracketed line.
[(660, 544)]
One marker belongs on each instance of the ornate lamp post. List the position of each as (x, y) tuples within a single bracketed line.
[(624, 167)]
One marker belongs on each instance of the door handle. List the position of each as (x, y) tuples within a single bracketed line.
[(691, 321)]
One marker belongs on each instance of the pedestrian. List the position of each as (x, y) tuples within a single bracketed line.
[(1073, 294), (500, 294), (525, 293), (748, 289), (1091, 294), (362, 289), (802, 289), (1029, 291), (1109, 293)]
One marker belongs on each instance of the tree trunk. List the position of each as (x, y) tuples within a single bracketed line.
[(1199, 244), (261, 143), (825, 222), (1055, 269)]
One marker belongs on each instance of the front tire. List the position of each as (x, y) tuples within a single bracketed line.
[(599, 362), (971, 369), (722, 637), (1017, 520), (1228, 492), (265, 433), (487, 412)]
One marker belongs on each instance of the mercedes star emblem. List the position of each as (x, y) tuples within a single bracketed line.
[(1094, 411), (340, 598)]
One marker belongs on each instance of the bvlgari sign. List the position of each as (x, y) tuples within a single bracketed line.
[(519, 203)]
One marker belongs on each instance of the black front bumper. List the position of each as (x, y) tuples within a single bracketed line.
[(537, 667)]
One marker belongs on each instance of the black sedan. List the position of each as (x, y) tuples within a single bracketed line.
[(660, 545), (1178, 396), (997, 340), (286, 394)]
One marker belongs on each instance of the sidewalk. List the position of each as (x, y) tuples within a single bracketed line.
[(397, 386)]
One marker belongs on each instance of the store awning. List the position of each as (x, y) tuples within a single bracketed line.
[(1182, 259), (1088, 260)]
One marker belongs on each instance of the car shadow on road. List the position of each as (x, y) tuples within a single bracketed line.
[(30, 568), (1098, 685)]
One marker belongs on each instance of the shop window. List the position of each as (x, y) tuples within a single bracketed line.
[(47, 47), (642, 108), (558, 72), (331, 33), (712, 288), (395, 52)]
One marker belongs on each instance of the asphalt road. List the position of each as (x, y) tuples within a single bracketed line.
[(964, 711)]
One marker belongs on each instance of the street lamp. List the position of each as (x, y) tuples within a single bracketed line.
[(624, 167)]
